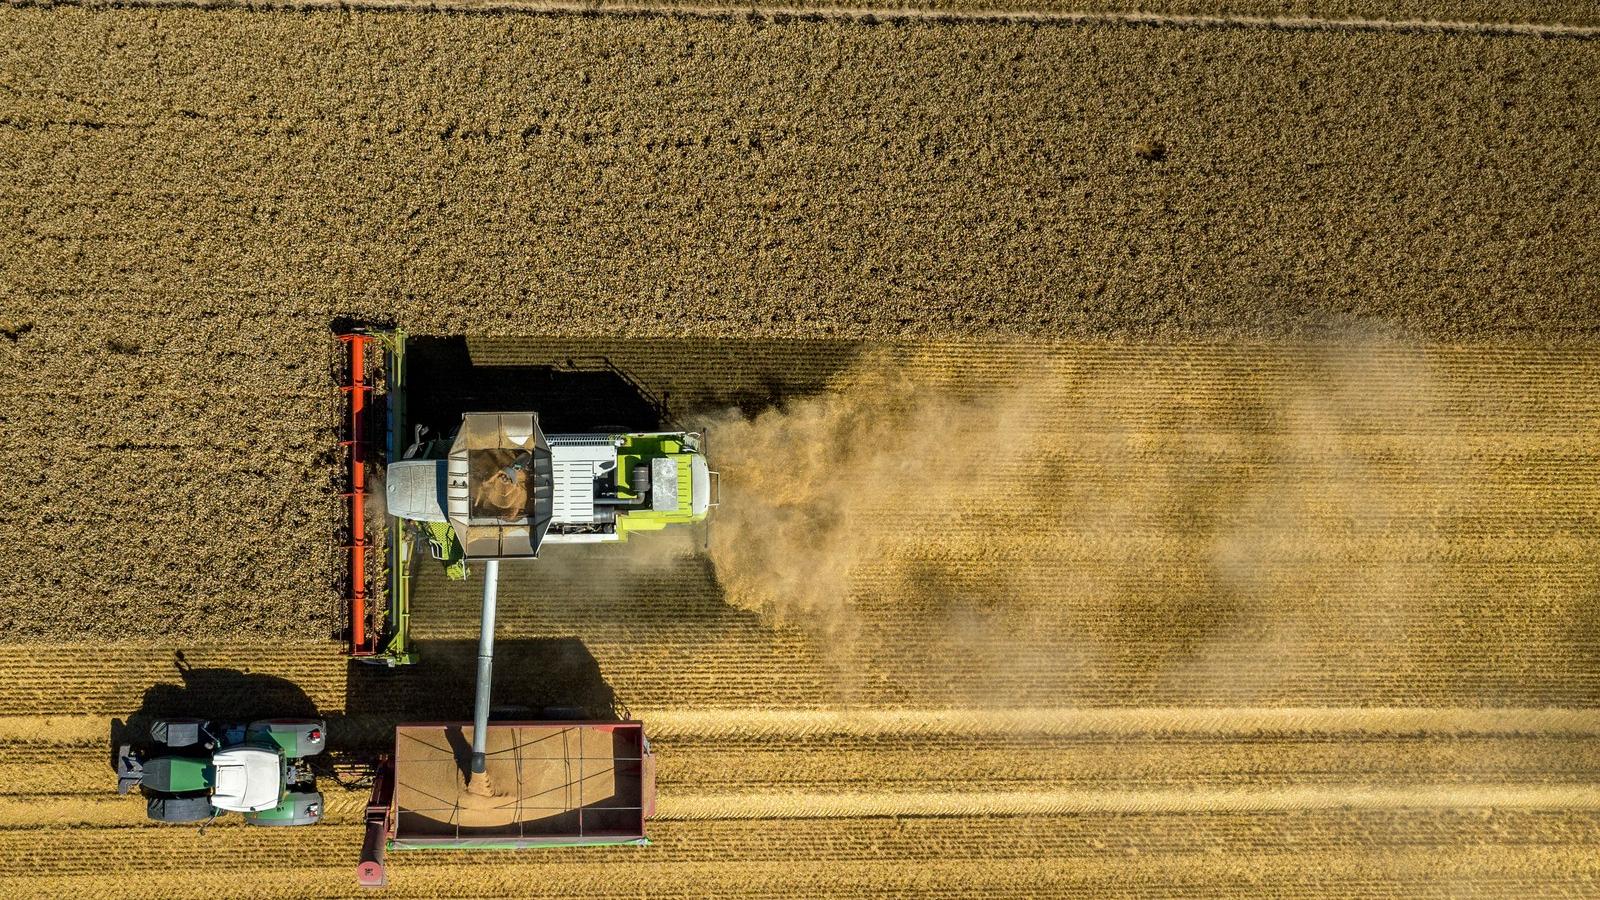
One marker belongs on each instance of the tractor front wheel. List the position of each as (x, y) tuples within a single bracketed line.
[(179, 809)]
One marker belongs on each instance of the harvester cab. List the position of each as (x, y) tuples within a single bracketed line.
[(194, 770)]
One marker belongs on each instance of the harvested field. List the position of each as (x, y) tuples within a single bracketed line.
[(1160, 461), (1375, 802), (1093, 728)]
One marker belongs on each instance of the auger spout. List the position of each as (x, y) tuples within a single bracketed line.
[(480, 701)]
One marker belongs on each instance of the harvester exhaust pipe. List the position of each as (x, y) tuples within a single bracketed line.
[(480, 701)]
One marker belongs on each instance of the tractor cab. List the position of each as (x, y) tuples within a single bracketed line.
[(247, 779)]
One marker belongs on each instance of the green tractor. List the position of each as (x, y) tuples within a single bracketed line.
[(195, 770)]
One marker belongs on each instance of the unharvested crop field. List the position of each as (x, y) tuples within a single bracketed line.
[(1095, 525)]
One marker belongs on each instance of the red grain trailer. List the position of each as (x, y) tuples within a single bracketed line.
[(546, 784)]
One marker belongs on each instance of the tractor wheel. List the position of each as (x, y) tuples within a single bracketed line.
[(179, 809), (177, 733)]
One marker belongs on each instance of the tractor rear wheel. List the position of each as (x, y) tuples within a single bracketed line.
[(178, 809), (177, 733)]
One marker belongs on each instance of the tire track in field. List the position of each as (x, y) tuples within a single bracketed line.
[(870, 14), (1049, 803), (813, 764), (747, 724), (346, 807), (764, 724)]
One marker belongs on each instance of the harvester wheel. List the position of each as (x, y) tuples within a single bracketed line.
[(179, 809)]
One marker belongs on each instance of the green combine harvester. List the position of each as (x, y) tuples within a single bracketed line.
[(499, 488)]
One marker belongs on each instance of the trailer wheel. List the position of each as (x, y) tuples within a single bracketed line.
[(178, 809), (510, 713)]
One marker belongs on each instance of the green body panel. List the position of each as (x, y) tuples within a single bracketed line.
[(288, 743), (639, 449), (443, 536), (654, 520), (285, 741), (395, 649), (189, 774)]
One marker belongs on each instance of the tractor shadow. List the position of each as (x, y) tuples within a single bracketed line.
[(220, 694), (544, 678)]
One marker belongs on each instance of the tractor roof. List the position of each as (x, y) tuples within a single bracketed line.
[(248, 779)]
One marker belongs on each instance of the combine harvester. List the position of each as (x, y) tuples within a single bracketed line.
[(496, 490)]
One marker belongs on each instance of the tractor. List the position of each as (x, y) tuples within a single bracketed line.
[(196, 769)]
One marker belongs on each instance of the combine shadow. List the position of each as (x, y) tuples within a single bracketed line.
[(542, 678), (534, 678), (638, 384), (584, 395)]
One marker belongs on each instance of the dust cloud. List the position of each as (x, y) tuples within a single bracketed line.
[(800, 487), (1219, 524), (880, 517)]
